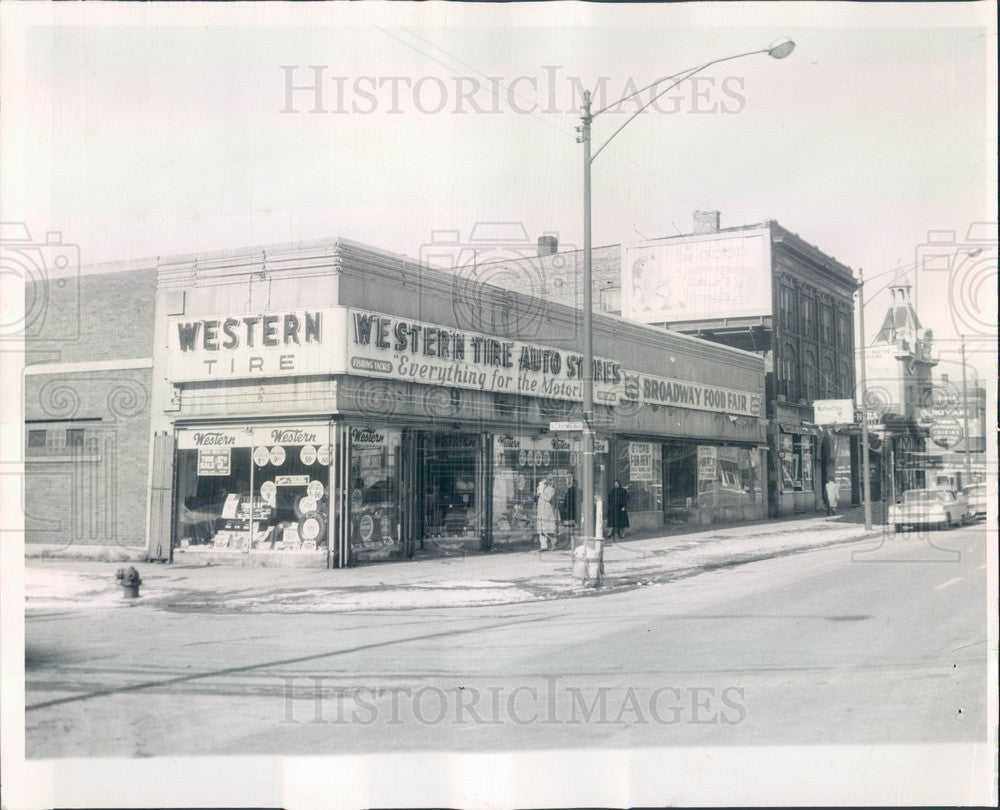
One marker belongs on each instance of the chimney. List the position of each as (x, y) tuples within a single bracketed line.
[(706, 221), (548, 244)]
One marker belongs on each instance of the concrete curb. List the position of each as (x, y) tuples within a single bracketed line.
[(75, 552)]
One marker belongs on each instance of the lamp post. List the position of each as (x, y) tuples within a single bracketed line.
[(778, 50)]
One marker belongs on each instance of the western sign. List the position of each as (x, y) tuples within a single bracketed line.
[(260, 344), (385, 346)]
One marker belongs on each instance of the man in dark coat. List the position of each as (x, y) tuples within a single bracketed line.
[(618, 509), (570, 503)]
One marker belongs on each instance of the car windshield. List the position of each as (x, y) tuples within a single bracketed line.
[(924, 495), (976, 490)]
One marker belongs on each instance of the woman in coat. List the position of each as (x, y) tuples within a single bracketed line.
[(546, 516), (618, 510)]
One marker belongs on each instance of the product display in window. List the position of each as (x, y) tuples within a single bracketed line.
[(243, 492)]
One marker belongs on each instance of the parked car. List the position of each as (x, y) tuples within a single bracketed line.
[(976, 497), (929, 507)]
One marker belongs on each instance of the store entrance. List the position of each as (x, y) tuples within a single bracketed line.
[(453, 500)]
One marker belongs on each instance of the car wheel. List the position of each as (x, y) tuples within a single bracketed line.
[(947, 521)]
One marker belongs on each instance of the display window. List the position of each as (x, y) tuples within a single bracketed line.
[(639, 467), (681, 465), (254, 488), (452, 492), (520, 463), (796, 455), (728, 476), (374, 496)]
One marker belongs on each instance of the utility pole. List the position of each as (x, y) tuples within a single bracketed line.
[(965, 419), (865, 469), (587, 473)]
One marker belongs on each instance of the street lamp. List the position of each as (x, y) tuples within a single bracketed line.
[(777, 50)]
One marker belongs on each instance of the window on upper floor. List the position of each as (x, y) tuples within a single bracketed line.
[(826, 326), (74, 437), (843, 330), (810, 374), (36, 438), (827, 379), (786, 302), (808, 316), (789, 371)]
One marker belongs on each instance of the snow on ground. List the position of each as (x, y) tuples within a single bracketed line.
[(54, 589)]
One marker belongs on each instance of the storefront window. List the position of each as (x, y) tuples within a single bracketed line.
[(374, 491), (453, 496), (520, 462), (639, 467), (727, 476), (806, 451), (253, 489), (681, 484), (796, 462)]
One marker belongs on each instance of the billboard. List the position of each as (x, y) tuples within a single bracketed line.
[(701, 277)]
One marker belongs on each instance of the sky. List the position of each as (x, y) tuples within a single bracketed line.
[(147, 131)]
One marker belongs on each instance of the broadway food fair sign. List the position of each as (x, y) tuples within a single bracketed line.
[(385, 346)]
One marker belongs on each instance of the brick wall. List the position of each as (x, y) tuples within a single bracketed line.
[(86, 457), (86, 440), (91, 317)]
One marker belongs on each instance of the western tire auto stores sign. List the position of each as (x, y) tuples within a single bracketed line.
[(337, 340)]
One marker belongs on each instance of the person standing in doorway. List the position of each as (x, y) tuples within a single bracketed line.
[(546, 516), (832, 492), (571, 502), (618, 509)]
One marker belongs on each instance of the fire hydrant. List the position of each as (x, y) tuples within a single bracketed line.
[(130, 581)]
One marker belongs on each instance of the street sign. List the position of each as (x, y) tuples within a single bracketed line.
[(566, 426), (833, 411)]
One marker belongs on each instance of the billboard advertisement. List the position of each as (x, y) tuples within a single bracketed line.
[(698, 278)]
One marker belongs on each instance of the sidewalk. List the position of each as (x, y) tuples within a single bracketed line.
[(476, 580)]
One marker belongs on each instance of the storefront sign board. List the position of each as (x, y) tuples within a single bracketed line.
[(251, 435), (833, 411), (234, 346), (381, 345)]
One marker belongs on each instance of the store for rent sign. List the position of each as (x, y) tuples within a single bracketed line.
[(385, 346), (264, 344)]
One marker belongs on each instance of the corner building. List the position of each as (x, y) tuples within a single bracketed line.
[(331, 404)]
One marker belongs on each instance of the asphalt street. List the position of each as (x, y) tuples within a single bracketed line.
[(857, 643)]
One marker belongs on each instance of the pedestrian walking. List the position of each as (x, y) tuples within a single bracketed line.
[(546, 516), (618, 509), (832, 492)]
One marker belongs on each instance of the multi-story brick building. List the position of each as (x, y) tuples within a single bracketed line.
[(760, 288)]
